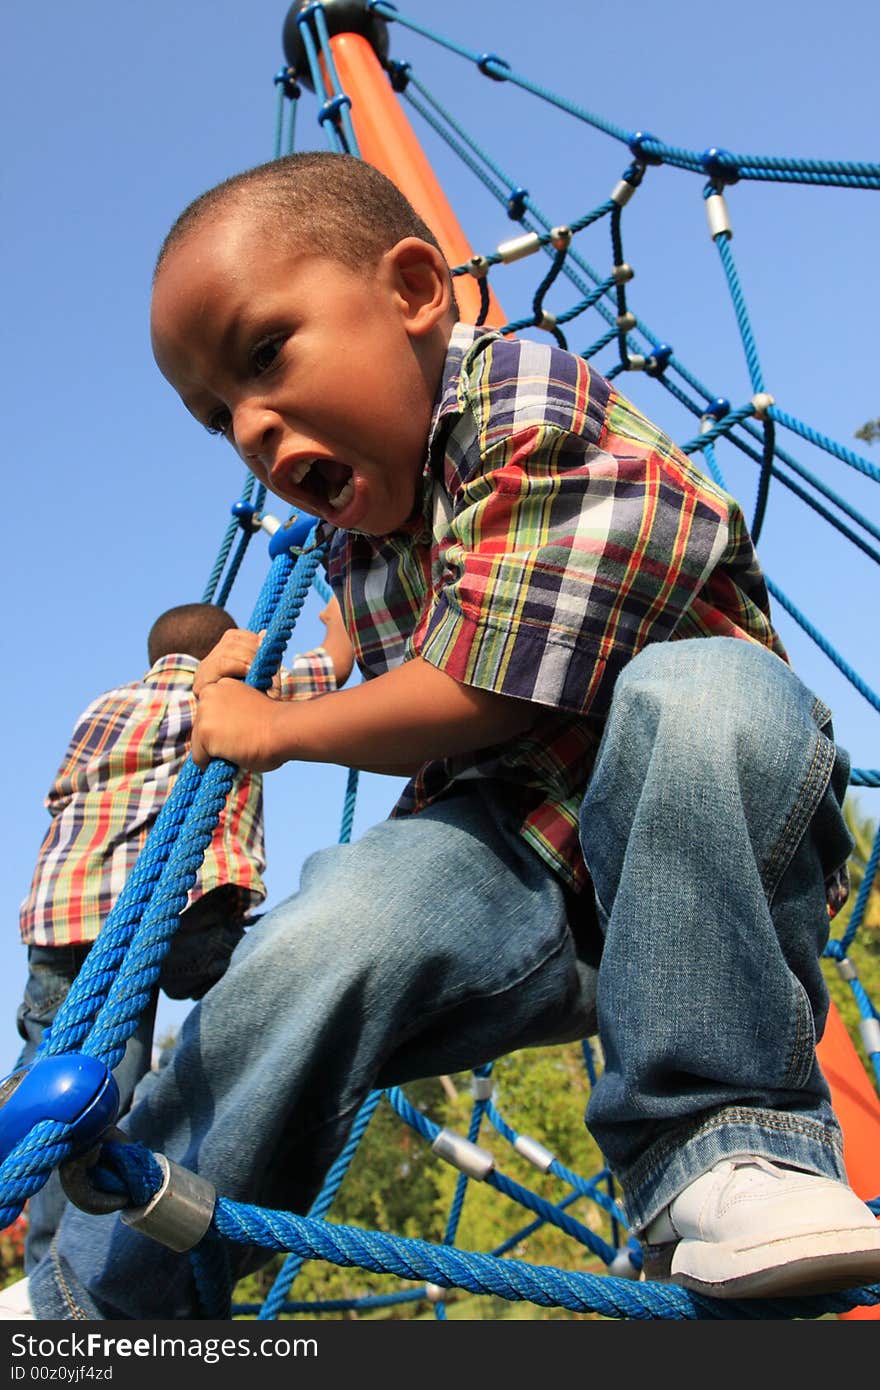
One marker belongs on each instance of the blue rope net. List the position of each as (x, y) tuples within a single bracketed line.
[(108, 997)]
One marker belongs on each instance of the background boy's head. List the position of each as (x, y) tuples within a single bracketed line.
[(190, 629), (329, 204)]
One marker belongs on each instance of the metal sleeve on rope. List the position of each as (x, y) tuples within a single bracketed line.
[(519, 246), (478, 266), (626, 321), (483, 1088), (180, 1213), (622, 192), (622, 1266), (846, 970), (622, 274), (718, 216), (534, 1152), (560, 238), (762, 401), (870, 1031), (462, 1154)]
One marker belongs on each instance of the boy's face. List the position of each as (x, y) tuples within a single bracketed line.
[(322, 377)]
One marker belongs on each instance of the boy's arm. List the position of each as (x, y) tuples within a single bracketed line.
[(233, 655), (393, 723), (325, 668), (337, 643)]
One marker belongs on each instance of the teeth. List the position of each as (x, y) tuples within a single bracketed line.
[(299, 471), (343, 496)]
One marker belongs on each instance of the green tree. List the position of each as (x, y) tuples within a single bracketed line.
[(864, 950), (869, 431), (864, 832)]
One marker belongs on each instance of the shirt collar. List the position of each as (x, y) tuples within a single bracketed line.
[(447, 399), (176, 669), (462, 340)]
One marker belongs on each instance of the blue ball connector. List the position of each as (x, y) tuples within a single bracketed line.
[(70, 1088), (292, 535), (245, 513)]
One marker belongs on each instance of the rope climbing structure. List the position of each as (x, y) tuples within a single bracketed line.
[(61, 1109)]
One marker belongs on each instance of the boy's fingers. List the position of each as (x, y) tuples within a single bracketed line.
[(199, 756)]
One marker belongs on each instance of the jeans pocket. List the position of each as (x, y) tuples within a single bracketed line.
[(47, 987), (51, 971)]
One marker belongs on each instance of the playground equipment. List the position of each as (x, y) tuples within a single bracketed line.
[(341, 51)]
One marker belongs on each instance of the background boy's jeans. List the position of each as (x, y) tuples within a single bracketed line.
[(208, 933), (439, 942)]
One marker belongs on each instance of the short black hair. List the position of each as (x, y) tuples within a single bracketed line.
[(333, 204), (190, 629)]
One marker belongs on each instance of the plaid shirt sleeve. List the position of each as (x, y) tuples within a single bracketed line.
[(578, 532), (309, 674)]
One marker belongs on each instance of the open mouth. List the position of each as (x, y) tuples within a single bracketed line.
[(324, 481)]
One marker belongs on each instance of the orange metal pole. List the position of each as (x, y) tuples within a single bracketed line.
[(857, 1107), (388, 142)]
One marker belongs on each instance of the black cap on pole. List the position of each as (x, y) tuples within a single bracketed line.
[(343, 17)]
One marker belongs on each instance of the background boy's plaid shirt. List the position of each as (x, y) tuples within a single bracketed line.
[(577, 533), (124, 754)]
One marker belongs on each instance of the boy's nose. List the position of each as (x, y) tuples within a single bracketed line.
[(253, 426)]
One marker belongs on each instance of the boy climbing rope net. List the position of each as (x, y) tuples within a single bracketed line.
[(624, 806), (122, 759)]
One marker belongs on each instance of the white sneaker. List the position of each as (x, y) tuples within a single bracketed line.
[(15, 1302), (749, 1228)]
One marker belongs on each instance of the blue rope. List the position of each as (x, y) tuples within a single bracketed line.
[(108, 996), (275, 1299), (845, 173), (822, 642), (514, 1280)]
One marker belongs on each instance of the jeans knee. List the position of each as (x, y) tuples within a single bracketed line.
[(712, 691)]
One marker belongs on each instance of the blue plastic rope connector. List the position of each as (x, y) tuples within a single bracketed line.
[(516, 204), (718, 408), (483, 64), (330, 110), (398, 73), (720, 165), (69, 1088), (659, 360), (245, 513), (637, 148), (292, 535), (286, 78)]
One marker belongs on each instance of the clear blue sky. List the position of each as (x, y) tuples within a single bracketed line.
[(116, 116)]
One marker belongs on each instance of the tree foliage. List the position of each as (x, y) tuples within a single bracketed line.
[(869, 431)]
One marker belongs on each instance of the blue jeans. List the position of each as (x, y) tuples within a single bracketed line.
[(439, 942), (208, 933)]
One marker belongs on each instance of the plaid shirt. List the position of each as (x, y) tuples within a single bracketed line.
[(124, 754), (561, 531)]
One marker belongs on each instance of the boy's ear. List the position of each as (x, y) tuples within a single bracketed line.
[(421, 284)]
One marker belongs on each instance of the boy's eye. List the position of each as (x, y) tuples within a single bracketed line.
[(264, 354), (219, 422)]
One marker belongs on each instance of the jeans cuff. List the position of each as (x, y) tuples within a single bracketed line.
[(56, 1294), (782, 1136)]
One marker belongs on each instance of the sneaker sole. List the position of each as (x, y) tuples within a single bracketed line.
[(798, 1265)]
